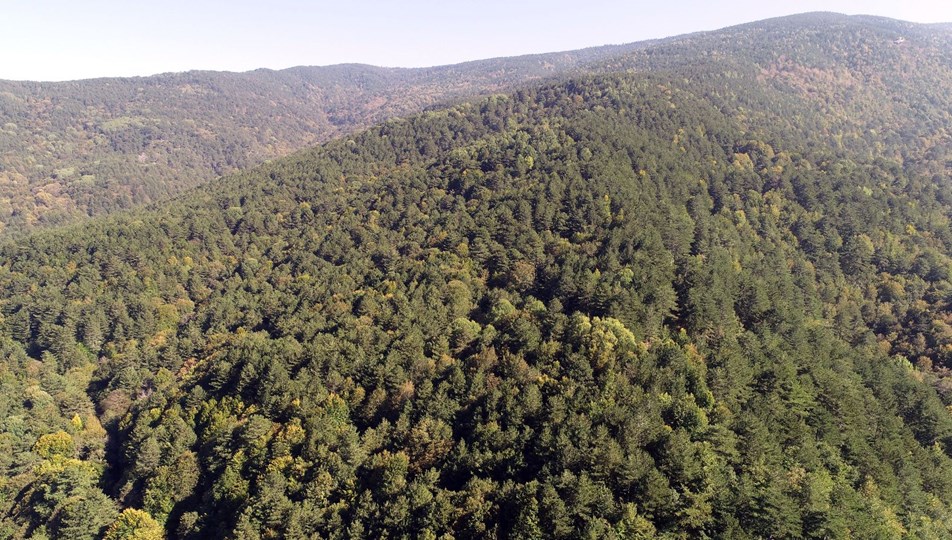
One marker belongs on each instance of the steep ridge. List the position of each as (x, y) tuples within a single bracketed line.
[(679, 303)]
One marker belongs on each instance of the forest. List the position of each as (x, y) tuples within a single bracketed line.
[(74, 149), (701, 290)]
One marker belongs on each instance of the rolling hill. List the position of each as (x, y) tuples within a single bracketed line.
[(80, 148), (700, 291)]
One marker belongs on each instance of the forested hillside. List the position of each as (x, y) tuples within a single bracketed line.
[(708, 299), (79, 148)]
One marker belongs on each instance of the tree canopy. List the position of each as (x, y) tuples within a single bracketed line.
[(684, 302)]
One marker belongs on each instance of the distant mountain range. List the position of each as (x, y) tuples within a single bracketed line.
[(78, 148)]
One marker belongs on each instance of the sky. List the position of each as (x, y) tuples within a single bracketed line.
[(53, 40)]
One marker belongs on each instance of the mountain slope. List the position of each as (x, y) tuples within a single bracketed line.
[(642, 304), (868, 88), (86, 147)]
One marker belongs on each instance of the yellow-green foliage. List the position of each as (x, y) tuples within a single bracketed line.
[(55, 445), (134, 524)]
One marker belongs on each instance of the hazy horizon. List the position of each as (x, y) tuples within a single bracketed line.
[(58, 40)]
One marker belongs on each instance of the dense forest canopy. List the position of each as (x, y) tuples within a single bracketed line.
[(80, 148), (701, 292)]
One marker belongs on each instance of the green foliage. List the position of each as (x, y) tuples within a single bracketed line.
[(55, 445), (134, 524), (69, 150), (629, 306)]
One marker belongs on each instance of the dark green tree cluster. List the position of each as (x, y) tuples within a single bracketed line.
[(644, 305)]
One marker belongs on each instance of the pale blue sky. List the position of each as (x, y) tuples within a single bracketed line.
[(70, 39)]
